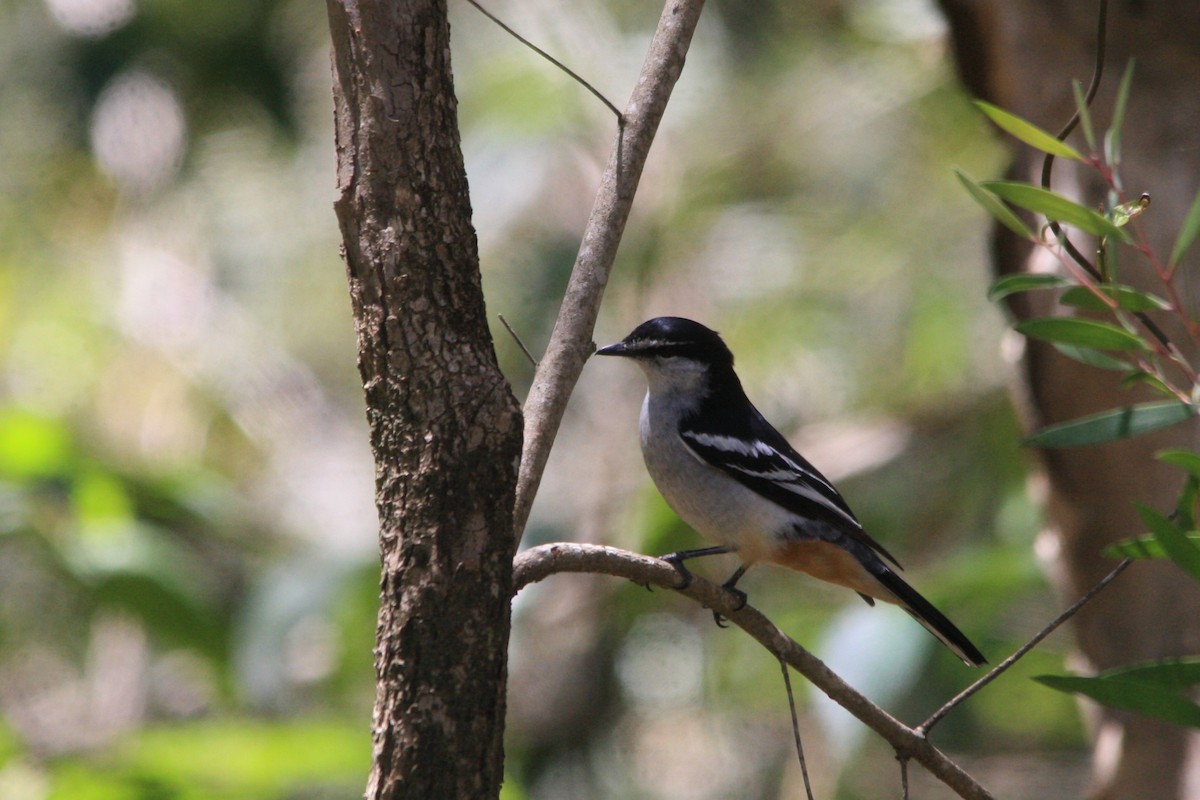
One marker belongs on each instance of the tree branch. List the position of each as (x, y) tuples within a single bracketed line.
[(540, 562), (571, 341), (1002, 667)]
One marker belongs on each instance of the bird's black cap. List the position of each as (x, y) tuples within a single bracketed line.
[(663, 337)]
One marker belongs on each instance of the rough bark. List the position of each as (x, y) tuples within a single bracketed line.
[(444, 426), (1022, 55)]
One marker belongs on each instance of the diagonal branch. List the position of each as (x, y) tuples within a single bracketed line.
[(571, 341), (1002, 667), (540, 562)]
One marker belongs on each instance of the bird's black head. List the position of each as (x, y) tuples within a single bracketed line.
[(667, 337)]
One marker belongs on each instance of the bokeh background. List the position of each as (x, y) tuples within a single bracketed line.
[(188, 571)]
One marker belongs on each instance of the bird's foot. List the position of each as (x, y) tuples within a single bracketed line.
[(685, 575), (740, 599), (738, 595)]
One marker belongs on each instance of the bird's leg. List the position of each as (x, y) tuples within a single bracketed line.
[(731, 587), (676, 560)]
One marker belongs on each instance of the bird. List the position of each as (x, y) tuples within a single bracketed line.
[(736, 480)]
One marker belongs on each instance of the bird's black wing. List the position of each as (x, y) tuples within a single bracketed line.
[(751, 451)]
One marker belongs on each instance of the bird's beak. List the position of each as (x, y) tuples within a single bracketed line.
[(618, 349)]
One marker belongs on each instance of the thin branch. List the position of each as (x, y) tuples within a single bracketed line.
[(551, 59), (571, 341), (540, 562), (1048, 163), (517, 339), (787, 682), (1003, 666), (1048, 166)]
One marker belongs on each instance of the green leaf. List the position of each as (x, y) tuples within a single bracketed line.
[(991, 204), (1176, 673), (1027, 132), (1085, 332), (1149, 379), (1093, 357), (1185, 505), (1112, 139), (1055, 206), (1142, 697), (1184, 459), (1187, 234), (1024, 282), (1175, 542), (1085, 114), (1125, 297), (1139, 547), (1109, 426)]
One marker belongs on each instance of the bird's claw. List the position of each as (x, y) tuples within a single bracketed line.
[(685, 575), (739, 596)]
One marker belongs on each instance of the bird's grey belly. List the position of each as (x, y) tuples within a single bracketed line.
[(710, 501)]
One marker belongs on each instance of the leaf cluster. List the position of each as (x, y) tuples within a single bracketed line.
[(1107, 324)]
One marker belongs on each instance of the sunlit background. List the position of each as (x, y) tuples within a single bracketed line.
[(188, 570)]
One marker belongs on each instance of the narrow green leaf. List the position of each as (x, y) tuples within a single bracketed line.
[(1140, 376), (1185, 505), (1184, 459), (1139, 547), (1187, 234), (1085, 332), (1054, 206), (1112, 139), (1093, 357), (1085, 114), (1126, 297), (1175, 673), (991, 204), (1143, 547), (1027, 132), (1024, 282), (1109, 426), (1142, 697), (1175, 542)]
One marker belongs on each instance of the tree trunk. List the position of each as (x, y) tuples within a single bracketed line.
[(1022, 55), (445, 427)]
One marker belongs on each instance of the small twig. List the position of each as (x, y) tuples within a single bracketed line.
[(552, 60), (570, 342), (1048, 163), (517, 338), (903, 775), (540, 562), (1003, 666), (787, 682)]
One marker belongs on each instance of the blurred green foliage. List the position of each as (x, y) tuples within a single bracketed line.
[(188, 573)]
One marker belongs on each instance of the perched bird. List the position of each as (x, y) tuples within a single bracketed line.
[(735, 479)]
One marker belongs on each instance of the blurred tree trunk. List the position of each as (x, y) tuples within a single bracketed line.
[(1022, 55), (445, 428)]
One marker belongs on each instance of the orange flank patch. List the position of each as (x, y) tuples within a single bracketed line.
[(828, 562)]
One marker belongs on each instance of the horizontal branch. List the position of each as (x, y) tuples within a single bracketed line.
[(540, 562)]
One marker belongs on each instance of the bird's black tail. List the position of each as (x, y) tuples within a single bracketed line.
[(933, 620)]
